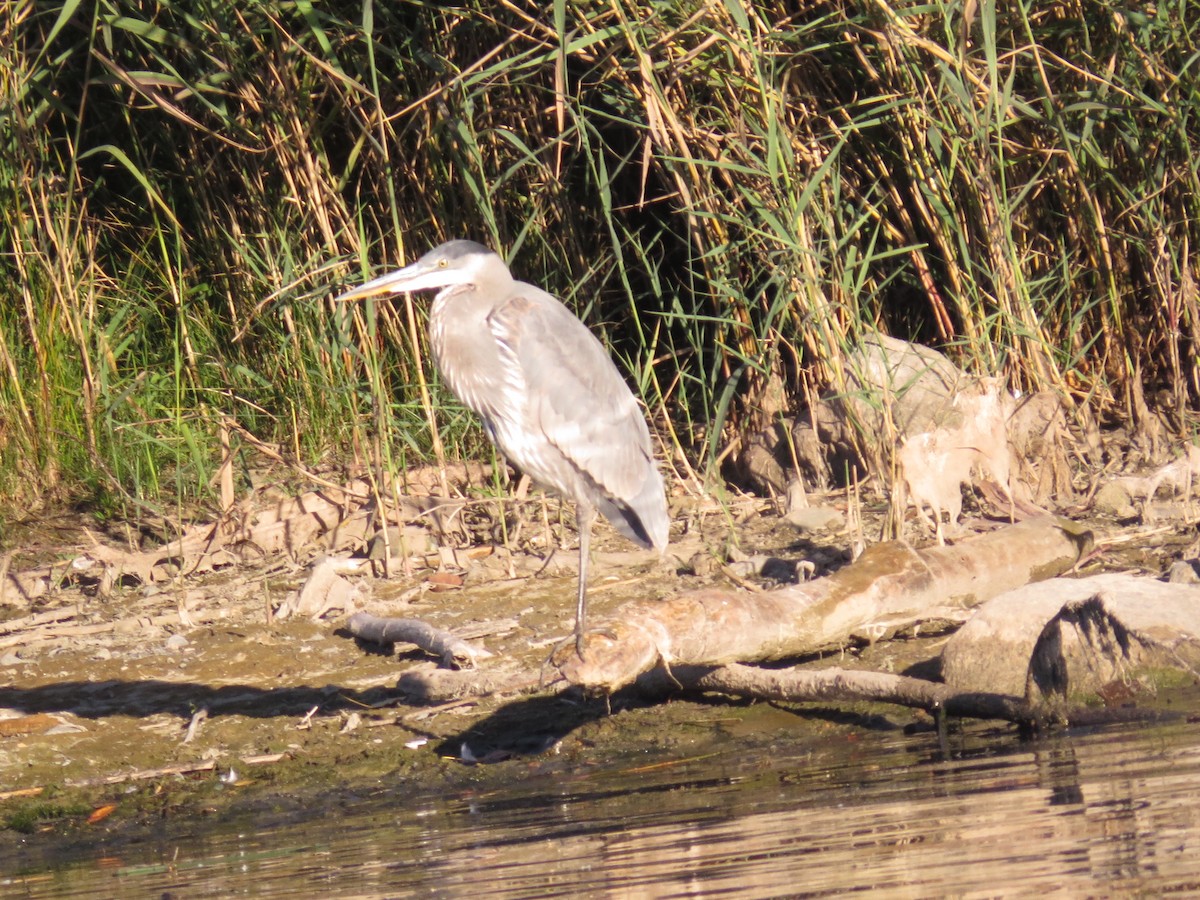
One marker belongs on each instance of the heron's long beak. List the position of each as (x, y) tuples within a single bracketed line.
[(406, 279), (420, 276)]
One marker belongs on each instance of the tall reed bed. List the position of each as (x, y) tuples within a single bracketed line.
[(730, 193)]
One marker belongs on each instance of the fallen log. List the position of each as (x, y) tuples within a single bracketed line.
[(891, 586)]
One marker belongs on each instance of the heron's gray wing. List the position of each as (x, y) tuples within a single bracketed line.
[(575, 396)]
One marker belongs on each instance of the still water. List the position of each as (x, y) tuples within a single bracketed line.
[(1106, 813)]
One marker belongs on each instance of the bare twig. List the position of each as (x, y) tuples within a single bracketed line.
[(194, 725)]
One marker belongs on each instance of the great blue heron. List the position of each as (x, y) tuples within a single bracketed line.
[(550, 398)]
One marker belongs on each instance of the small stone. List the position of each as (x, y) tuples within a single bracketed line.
[(703, 564), (815, 518), (1113, 499), (176, 642), (1184, 571), (796, 498)]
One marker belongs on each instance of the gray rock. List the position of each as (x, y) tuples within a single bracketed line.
[(815, 518), (1184, 571), (1072, 636), (176, 642)]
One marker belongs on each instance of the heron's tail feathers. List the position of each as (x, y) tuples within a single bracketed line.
[(643, 518)]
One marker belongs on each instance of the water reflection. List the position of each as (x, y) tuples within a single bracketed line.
[(1109, 813)]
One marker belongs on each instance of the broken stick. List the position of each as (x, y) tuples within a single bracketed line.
[(454, 652)]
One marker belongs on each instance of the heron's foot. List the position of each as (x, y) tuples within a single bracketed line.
[(578, 639), (607, 632)]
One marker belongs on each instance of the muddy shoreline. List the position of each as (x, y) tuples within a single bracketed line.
[(196, 699)]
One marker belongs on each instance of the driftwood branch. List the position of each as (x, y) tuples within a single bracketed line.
[(891, 586), (454, 652), (847, 686)]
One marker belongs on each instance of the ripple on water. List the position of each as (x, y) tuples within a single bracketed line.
[(1107, 813)]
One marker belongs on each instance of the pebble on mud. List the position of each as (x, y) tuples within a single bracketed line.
[(815, 518), (176, 642)]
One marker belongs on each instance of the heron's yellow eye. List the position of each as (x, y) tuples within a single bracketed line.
[(441, 263)]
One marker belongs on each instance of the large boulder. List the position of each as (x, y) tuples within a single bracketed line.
[(1074, 637)]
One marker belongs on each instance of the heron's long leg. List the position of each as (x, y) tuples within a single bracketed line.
[(585, 514)]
